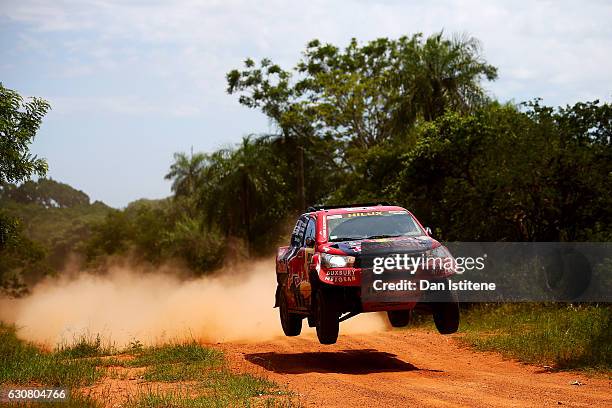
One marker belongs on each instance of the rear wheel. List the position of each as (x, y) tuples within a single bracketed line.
[(446, 317), (292, 323), (399, 318), (326, 317)]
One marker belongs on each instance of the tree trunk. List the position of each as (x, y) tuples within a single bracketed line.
[(246, 210), (301, 196)]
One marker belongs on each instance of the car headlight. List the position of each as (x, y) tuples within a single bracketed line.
[(338, 261), (439, 252), (440, 261)]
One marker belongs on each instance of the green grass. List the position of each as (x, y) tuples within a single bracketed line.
[(176, 353), (85, 346), (214, 383), (177, 362), (23, 363), (210, 383), (240, 386), (230, 391), (562, 336)]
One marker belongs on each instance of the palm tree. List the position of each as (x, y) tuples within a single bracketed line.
[(448, 75), (186, 173), (245, 187)]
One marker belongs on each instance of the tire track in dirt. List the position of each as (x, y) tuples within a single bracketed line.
[(410, 368)]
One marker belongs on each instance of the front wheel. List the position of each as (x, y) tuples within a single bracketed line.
[(292, 323), (327, 317), (446, 317)]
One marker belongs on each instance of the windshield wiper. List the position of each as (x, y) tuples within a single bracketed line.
[(340, 239), (382, 236)]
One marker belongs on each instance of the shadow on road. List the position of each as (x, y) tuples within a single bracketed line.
[(365, 361)]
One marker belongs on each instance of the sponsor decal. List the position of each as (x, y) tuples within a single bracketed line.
[(341, 272), (339, 279), (364, 214), (340, 276), (305, 289), (324, 229)]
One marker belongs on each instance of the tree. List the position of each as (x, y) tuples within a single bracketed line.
[(245, 188), (19, 122), (269, 88), (186, 172), (375, 92), (449, 76), (22, 263), (539, 174), (45, 192), (366, 94), (339, 104)]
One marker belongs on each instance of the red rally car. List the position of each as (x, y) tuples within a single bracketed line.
[(319, 274)]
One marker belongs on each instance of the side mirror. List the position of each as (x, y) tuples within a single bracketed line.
[(428, 231), (310, 242)]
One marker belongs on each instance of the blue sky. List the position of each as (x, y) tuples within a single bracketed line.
[(132, 82)]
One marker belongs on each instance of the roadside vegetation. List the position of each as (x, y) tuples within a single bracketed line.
[(172, 375), (405, 120), (560, 336), (23, 363)]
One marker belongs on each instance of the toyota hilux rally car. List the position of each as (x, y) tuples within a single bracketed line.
[(319, 274)]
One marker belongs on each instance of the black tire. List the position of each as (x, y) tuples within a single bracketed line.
[(399, 318), (567, 275), (446, 317), (291, 323), (327, 317)]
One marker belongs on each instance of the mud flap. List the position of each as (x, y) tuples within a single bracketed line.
[(277, 296)]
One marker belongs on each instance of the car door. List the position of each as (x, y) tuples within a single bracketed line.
[(298, 264), (295, 262), (309, 250)]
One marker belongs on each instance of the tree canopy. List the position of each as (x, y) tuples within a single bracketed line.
[(366, 93), (19, 122)]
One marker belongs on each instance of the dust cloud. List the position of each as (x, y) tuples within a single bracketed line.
[(127, 304)]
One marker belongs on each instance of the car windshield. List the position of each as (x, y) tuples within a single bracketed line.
[(373, 224)]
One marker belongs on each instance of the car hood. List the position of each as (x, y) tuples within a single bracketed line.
[(404, 244)]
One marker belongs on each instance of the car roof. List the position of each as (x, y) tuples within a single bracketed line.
[(348, 210)]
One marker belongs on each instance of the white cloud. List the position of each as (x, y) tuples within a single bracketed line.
[(132, 105)]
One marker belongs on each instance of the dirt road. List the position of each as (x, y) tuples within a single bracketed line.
[(410, 368)]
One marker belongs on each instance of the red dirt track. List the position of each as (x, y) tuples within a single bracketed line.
[(410, 368)]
